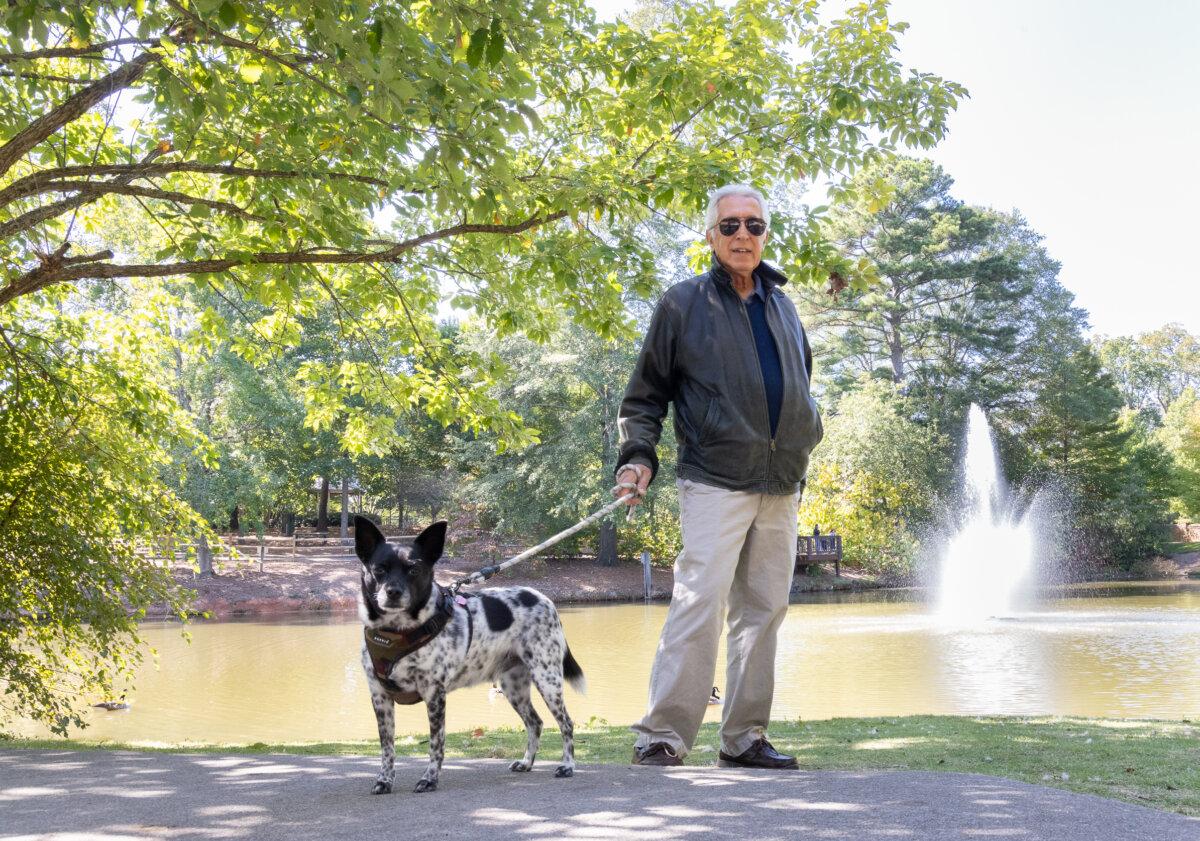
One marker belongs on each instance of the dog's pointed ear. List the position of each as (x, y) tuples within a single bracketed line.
[(367, 538), (429, 544)]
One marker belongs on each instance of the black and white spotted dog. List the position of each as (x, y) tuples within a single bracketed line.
[(509, 635)]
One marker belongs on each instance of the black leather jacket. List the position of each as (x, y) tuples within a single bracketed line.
[(699, 354)]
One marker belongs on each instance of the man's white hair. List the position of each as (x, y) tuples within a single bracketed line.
[(714, 198)]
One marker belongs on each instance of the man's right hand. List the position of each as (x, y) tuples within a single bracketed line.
[(634, 474)]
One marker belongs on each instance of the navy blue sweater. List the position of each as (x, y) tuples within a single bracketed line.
[(768, 355)]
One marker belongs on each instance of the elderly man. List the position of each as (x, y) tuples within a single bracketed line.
[(727, 348)]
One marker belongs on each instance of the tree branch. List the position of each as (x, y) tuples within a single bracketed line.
[(49, 211), (72, 108), (92, 191), (674, 132), (44, 77), (69, 52), (37, 182), (53, 268)]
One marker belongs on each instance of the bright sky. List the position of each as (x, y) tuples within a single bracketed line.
[(1085, 116)]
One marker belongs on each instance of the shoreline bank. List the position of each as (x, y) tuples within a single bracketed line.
[(331, 585)]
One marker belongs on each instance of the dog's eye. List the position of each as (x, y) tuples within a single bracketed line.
[(379, 571)]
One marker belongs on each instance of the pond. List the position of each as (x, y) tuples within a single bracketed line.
[(1095, 650)]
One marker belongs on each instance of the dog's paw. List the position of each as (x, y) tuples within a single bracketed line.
[(425, 785), (382, 788), (564, 771), (521, 765)]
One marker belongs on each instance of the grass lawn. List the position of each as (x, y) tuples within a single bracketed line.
[(1178, 548), (1151, 763)]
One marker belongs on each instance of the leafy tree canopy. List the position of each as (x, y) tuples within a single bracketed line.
[(946, 315), (876, 478), (309, 186), (86, 427), (1154, 368), (391, 156), (1180, 434)]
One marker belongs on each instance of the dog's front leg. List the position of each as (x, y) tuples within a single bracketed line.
[(385, 717), (435, 705)]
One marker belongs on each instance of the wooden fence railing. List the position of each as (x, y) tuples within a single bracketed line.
[(251, 549), (821, 548)]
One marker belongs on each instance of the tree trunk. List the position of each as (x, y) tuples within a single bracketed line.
[(235, 523), (896, 347), (607, 556), (400, 515), (289, 523), (323, 507), (204, 556), (345, 532), (181, 394)]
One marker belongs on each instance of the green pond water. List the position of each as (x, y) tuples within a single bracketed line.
[(1125, 651)]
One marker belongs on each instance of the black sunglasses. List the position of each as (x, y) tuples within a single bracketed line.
[(755, 227)]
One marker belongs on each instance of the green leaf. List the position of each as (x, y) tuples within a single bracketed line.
[(375, 37), (530, 114), (81, 23), (495, 47), (251, 72), (479, 40), (228, 13), (354, 95)]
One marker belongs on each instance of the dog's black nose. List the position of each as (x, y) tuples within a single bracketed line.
[(392, 594)]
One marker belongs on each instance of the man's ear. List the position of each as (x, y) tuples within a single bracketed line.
[(429, 543), (367, 538)]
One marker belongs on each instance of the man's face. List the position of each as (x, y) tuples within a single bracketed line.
[(741, 252)]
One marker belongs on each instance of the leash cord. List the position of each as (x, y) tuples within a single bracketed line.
[(488, 571)]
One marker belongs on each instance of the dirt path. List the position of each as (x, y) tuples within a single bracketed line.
[(1188, 562), (120, 794)]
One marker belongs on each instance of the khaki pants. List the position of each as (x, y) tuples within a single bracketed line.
[(739, 552)]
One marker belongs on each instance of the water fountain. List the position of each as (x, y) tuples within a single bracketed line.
[(986, 562)]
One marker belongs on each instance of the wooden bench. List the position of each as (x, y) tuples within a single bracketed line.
[(819, 549)]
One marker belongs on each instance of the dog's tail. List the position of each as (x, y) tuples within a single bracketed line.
[(573, 673)]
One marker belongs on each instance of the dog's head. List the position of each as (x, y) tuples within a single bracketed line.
[(394, 580)]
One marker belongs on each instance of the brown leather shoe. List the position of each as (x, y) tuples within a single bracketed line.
[(656, 753), (759, 755)]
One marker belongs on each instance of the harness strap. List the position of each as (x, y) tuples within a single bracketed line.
[(462, 600), (386, 648)]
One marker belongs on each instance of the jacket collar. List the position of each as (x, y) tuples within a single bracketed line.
[(768, 275)]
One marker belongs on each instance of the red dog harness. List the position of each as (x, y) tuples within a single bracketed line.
[(387, 648)]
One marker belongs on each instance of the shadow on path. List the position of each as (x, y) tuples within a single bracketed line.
[(114, 796)]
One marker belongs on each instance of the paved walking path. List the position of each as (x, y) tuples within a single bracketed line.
[(115, 796)]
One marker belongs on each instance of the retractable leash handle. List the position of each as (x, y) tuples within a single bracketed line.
[(488, 571)]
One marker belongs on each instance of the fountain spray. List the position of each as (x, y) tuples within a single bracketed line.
[(992, 554)]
